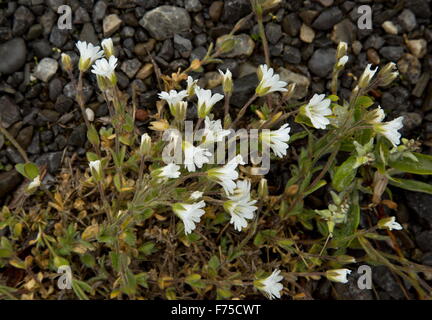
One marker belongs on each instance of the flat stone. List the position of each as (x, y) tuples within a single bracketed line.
[(392, 53), (407, 20), (131, 67), (9, 180), (52, 160), (244, 45), (9, 112), (291, 24), (302, 82), (322, 61), (46, 69), (234, 10), (145, 72), (344, 31), (165, 21), (307, 34), (111, 24), (327, 19), (12, 55), (193, 5)]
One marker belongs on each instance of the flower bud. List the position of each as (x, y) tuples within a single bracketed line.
[(263, 189), (227, 82), (66, 62), (338, 275), (341, 50), (96, 169), (145, 146), (108, 47), (389, 223)]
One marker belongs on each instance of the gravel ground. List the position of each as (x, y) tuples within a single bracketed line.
[(37, 98)]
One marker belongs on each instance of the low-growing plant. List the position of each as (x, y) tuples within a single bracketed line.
[(132, 224)]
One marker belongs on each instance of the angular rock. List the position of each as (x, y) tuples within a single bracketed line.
[(407, 20), (9, 180), (111, 24), (23, 19), (291, 24), (322, 61), (234, 10), (165, 21), (410, 67), (193, 5), (52, 160), (273, 32), (9, 112), (291, 55), (46, 69), (417, 47), (183, 45), (12, 55), (131, 67)]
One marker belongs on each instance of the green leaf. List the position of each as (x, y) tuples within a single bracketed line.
[(93, 136), (91, 156), (194, 280), (344, 174), (364, 102), (214, 263), (147, 248), (412, 185), (422, 166), (28, 170)]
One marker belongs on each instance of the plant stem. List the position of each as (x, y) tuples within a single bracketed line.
[(243, 110), (14, 142)]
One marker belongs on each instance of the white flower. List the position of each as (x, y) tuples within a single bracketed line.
[(104, 67), (226, 174), (88, 54), (277, 139), (173, 97), (242, 191), (338, 275), (389, 223), (367, 76), (342, 61), (189, 214), (375, 116), (390, 130), (227, 82), (271, 285), (317, 109), (107, 45), (195, 156), (191, 83), (36, 182), (269, 82), (169, 171), (196, 195), (240, 211), (213, 131), (96, 169), (206, 101), (240, 206)]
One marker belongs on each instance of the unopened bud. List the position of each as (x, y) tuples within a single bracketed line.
[(263, 189), (341, 50), (227, 44), (108, 47), (66, 62), (388, 74), (145, 146)]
